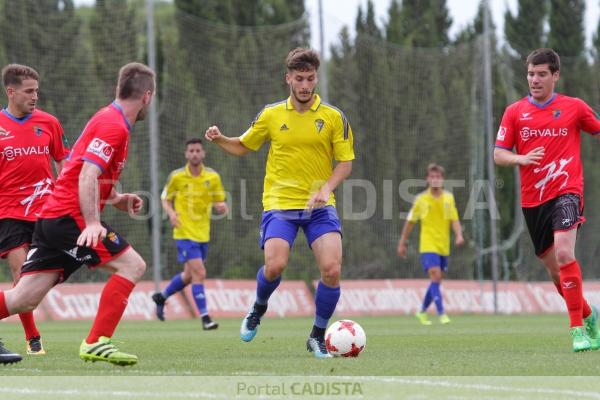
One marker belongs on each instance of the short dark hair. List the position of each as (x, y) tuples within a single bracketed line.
[(433, 167), (193, 141), (14, 74), (544, 56), (302, 59), (135, 79)]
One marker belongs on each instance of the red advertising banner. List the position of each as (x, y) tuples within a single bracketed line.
[(233, 298), (225, 298), (391, 297)]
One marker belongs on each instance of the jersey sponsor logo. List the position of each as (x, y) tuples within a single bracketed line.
[(319, 123), (40, 189), (284, 127), (527, 133), (501, 133), (10, 153), (100, 148), (552, 174), (525, 117)]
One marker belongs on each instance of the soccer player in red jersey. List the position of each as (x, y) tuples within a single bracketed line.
[(29, 139), (544, 129), (69, 232)]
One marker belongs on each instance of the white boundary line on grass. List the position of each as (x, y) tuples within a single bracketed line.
[(483, 387), (114, 393)]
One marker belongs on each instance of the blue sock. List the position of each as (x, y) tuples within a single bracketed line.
[(428, 299), (265, 288), (436, 293), (199, 298), (326, 298), (174, 286)]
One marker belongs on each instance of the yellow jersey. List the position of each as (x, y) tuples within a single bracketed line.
[(435, 215), (303, 147), (192, 198)]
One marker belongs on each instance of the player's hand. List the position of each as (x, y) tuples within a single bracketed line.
[(533, 157), (91, 235), (402, 250), (129, 202), (174, 219), (213, 133), (318, 199), (221, 207), (459, 241)]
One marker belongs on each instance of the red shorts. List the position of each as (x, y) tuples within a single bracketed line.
[(54, 247)]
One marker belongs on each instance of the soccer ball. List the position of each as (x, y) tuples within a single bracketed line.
[(345, 338)]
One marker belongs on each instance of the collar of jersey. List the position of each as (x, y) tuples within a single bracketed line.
[(189, 173), (21, 120), (314, 107), (120, 109), (538, 105)]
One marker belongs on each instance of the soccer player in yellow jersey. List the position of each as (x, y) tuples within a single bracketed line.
[(436, 210), (306, 135), (188, 198)]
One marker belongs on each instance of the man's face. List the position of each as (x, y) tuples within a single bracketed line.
[(435, 179), (541, 81), (195, 154), (302, 84), (23, 98)]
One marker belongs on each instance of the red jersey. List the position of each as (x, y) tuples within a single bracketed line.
[(556, 126), (26, 146), (103, 142)]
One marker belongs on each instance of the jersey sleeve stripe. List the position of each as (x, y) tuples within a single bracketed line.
[(503, 147), (344, 120), (96, 163)]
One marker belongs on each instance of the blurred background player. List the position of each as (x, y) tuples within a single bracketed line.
[(188, 198), (545, 129), (29, 139), (435, 209), (306, 135), (69, 232)]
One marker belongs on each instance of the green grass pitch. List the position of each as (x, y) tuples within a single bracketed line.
[(396, 346), (474, 357)]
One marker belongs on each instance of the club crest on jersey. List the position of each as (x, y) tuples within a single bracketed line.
[(112, 236), (37, 130), (556, 113), (101, 149), (319, 123)]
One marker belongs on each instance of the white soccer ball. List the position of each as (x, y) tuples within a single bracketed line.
[(345, 338)]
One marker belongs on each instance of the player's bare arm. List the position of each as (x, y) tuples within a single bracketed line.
[(408, 227), (459, 240), (59, 165), (342, 170), (171, 213), (505, 157), (89, 198), (221, 207), (231, 145)]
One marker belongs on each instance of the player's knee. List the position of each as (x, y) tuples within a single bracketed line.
[(274, 269), (564, 256), (331, 272)]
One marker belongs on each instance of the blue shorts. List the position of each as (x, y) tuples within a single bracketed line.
[(284, 224), (188, 250), (429, 260)]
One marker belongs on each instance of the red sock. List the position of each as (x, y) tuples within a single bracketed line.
[(29, 325), (587, 310), (572, 291), (3, 310), (113, 302)]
